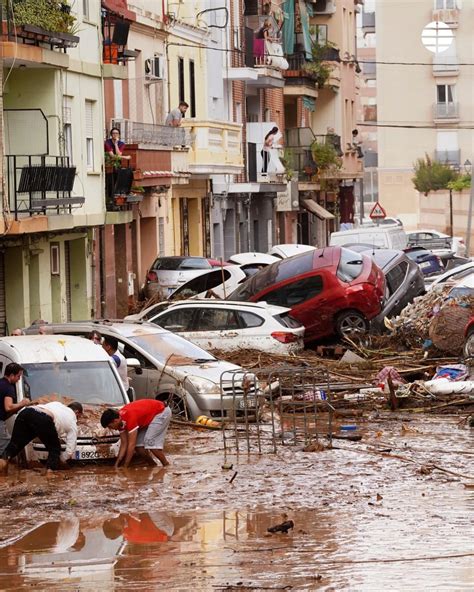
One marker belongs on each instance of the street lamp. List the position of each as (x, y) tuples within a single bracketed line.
[(468, 169)]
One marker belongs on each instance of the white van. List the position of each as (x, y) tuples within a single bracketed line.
[(386, 237), (73, 367)]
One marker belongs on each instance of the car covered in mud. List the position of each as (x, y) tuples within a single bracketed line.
[(228, 326), (67, 368), (172, 369)]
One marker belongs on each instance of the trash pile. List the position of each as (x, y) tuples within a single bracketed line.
[(433, 320)]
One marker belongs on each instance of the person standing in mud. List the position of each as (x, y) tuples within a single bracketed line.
[(110, 344), (142, 425), (47, 422), (8, 401)]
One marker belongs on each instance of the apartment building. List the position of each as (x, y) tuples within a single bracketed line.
[(425, 96), (52, 175)]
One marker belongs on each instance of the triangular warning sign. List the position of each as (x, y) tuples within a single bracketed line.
[(377, 212)]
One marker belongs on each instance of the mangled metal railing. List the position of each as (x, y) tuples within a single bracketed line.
[(283, 406)]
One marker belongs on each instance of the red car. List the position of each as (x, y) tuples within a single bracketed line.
[(330, 290)]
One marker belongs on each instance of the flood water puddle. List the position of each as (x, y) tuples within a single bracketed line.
[(362, 521)]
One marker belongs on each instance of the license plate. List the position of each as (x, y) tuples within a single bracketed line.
[(248, 403), (425, 265), (92, 454)]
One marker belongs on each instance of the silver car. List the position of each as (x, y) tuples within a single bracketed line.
[(173, 369)]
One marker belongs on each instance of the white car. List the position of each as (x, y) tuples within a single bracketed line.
[(289, 250), (442, 244), (227, 325), (218, 283), (453, 275), (250, 263)]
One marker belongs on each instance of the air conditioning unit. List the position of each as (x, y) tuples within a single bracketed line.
[(154, 68)]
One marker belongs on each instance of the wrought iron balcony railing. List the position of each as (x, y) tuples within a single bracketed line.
[(40, 184), (133, 132)]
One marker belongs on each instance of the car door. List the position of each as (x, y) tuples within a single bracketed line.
[(308, 301), (400, 293), (216, 328), (143, 380)]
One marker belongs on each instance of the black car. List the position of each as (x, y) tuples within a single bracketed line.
[(404, 281)]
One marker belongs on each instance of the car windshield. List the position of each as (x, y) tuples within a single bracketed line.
[(172, 349), (86, 382), (274, 273), (350, 265), (202, 283)]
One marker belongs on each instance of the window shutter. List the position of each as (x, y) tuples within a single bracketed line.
[(89, 119)]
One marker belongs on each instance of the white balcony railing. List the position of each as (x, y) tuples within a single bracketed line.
[(446, 110)]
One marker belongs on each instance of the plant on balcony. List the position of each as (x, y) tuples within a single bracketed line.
[(287, 161), (461, 183), (112, 162), (138, 189), (326, 157), (49, 15), (431, 175), (321, 66)]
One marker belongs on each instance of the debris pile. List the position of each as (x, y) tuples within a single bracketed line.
[(433, 319)]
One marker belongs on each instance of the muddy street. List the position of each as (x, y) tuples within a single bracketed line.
[(393, 512)]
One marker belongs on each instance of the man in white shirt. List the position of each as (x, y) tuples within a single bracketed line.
[(174, 117), (49, 423)]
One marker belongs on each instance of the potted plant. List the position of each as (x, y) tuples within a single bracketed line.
[(325, 156), (120, 199), (112, 162), (138, 190)]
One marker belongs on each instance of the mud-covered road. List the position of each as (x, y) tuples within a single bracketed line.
[(370, 515)]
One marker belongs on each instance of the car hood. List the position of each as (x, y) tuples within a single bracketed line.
[(211, 370)]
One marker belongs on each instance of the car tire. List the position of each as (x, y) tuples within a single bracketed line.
[(351, 323), (176, 404), (469, 346)]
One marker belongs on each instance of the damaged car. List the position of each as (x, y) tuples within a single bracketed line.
[(172, 369), (228, 326), (330, 291)]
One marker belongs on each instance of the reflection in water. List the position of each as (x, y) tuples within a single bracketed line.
[(203, 551)]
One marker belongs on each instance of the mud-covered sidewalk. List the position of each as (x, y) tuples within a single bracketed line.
[(391, 512)]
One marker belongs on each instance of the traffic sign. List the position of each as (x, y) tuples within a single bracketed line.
[(377, 212)]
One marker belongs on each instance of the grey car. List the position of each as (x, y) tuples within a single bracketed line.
[(404, 281), (172, 369)]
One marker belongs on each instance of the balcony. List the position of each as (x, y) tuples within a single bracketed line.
[(446, 11), (265, 57), (216, 147), (451, 157), (445, 65), (26, 43), (115, 54), (40, 185), (368, 22), (150, 134), (444, 112), (298, 78)]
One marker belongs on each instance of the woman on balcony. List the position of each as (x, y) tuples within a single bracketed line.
[(271, 162), (114, 146), (262, 36)]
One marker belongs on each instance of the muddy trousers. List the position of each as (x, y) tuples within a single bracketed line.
[(31, 424)]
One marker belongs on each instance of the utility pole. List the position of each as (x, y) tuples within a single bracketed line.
[(469, 217)]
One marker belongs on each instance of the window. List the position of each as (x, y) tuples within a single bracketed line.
[(445, 4), (319, 34), (248, 319), (444, 93), (176, 320), (192, 90), (181, 79), (396, 276), (67, 126), (85, 10), (350, 266), (295, 292), (55, 263), (161, 234), (89, 135), (217, 319)]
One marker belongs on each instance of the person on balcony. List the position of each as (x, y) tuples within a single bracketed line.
[(114, 146), (271, 162), (262, 37), (174, 117)]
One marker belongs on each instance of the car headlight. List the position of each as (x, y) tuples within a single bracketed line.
[(203, 386)]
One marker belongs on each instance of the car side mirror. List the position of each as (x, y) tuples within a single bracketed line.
[(131, 394), (133, 363)]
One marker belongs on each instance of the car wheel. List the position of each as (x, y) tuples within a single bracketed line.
[(351, 324), (176, 404), (469, 346)]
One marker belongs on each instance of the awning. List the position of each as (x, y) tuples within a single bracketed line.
[(316, 209)]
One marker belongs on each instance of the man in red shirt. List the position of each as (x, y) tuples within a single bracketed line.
[(142, 424)]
